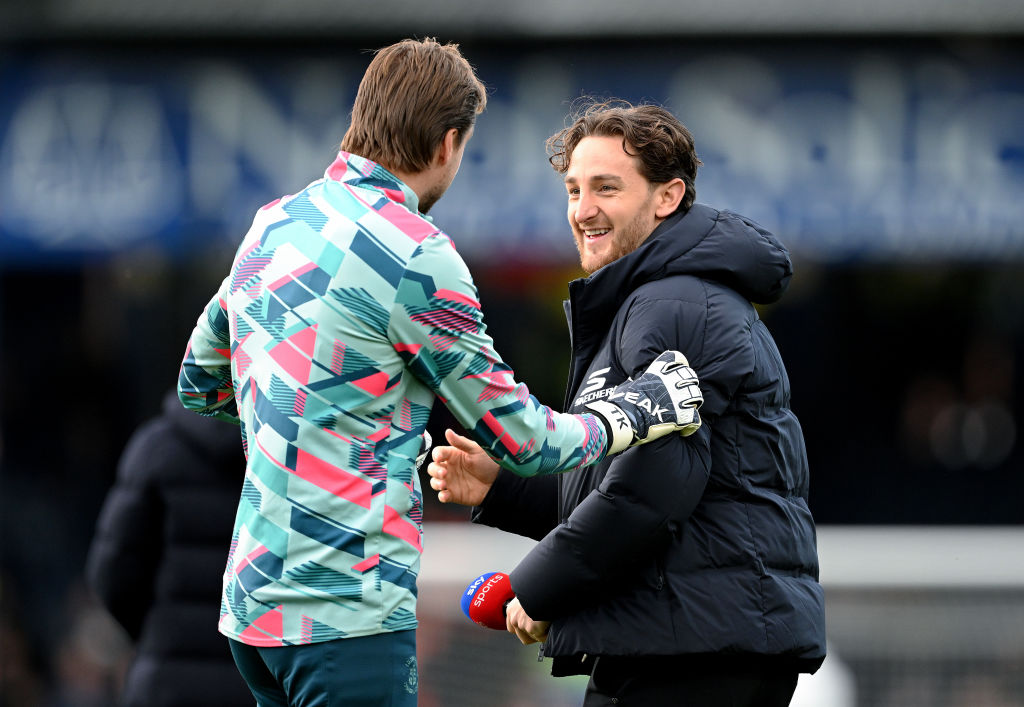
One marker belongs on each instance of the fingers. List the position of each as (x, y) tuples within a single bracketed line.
[(524, 637), (459, 445), (522, 626), (437, 472), (678, 361), (464, 444), (511, 611), (462, 472), (540, 630), (671, 360), (438, 483)]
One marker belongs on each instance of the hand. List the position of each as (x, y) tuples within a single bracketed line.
[(522, 626), (662, 400), (461, 473)]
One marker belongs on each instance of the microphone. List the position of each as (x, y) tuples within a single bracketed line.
[(486, 598)]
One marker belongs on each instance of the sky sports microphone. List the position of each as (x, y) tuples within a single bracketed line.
[(486, 598)]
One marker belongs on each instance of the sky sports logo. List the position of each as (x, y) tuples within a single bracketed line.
[(492, 580)]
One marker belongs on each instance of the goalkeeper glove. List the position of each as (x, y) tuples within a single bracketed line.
[(664, 399)]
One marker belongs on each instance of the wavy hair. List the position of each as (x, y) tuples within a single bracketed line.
[(662, 145)]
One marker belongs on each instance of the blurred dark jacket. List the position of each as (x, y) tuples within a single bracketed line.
[(157, 559)]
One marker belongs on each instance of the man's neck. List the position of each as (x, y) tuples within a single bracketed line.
[(424, 184)]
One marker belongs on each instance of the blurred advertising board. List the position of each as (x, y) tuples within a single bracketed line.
[(848, 150)]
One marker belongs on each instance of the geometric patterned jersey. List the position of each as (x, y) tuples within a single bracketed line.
[(345, 314)]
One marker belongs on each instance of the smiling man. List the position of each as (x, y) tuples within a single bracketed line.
[(613, 208), (683, 572), (347, 312)]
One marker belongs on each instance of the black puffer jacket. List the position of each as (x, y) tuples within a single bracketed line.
[(157, 559), (703, 545)]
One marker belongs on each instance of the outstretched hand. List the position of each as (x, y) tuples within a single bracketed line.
[(461, 473)]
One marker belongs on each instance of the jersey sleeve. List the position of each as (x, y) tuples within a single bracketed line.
[(204, 381), (437, 326)]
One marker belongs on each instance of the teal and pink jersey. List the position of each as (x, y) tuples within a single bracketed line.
[(345, 314)]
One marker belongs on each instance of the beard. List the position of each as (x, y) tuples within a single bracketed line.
[(431, 198), (438, 188), (624, 241)]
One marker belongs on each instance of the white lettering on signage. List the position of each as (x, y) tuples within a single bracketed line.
[(901, 155)]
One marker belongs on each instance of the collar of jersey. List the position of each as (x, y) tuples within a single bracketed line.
[(359, 171)]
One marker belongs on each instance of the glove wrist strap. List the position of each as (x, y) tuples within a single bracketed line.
[(618, 425)]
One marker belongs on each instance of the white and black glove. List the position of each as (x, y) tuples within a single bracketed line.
[(422, 456), (663, 400)]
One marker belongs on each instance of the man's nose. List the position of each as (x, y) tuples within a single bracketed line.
[(586, 208)]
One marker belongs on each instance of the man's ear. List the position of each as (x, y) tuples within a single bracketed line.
[(446, 149), (668, 197)]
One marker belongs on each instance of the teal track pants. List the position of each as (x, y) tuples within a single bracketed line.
[(375, 671)]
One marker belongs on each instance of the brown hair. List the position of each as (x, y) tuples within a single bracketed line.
[(662, 145), (413, 92)]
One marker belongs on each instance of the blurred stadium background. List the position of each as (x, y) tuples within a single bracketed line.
[(883, 142)]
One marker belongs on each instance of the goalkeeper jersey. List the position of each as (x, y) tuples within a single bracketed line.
[(345, 314)]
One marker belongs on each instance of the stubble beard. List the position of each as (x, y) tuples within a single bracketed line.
[(431, 198), (625, 242)]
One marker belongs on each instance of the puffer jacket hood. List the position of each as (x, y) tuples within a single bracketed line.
[(704, 242)]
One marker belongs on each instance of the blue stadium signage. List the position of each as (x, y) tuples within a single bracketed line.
[(847, 153)]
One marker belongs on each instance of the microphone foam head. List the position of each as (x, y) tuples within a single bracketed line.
[(485, 598)]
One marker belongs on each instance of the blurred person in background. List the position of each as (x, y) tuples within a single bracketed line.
[(157, 558), (345, 314), (21, 680), (684, 571)]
